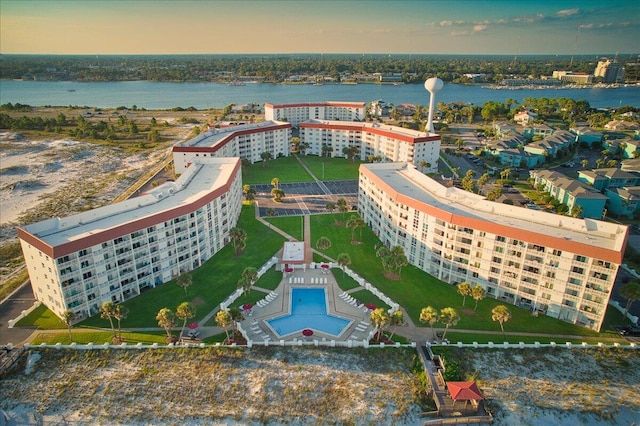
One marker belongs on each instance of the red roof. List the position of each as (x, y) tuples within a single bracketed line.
[(464, 391)]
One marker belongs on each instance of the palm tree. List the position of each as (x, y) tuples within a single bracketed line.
[(429, 315), (244, 284), (360, 223), (250, 274), (352, 223), (464, 289), (68, 317), (119, 313), (631, 292), (185, 311), (266, 156), (331, 206), (449, 317), (323, 243), (238, 239), (184, 281), (501, 314), (584, 163), (236, 317), (343, 260), (396, 319), (398, 258), (278, 194), (477, 292), (167, 320), (576, 210), (224, 320), (275, 182), (106, 311), (380, 319), (342, 206)]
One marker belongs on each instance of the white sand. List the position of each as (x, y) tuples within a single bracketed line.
[(30, 170)]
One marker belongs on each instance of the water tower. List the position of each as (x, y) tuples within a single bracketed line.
[(433, 86)]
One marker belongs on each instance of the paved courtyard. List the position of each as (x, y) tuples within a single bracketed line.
[(258, 329), (306, 197)]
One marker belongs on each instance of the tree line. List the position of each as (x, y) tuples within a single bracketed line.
[(275, 68)]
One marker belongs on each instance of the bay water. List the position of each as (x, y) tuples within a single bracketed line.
[(167, 95)]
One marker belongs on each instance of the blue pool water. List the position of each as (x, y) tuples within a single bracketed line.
[(308, 310)]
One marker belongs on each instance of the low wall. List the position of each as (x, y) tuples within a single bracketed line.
[(367, 285), (535, 345), (299, 342), (12, 322)]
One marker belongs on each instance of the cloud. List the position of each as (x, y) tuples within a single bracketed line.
[(446, 23), (479, 27), (567, 12)]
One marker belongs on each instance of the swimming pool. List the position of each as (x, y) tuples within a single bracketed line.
[(308, 310)]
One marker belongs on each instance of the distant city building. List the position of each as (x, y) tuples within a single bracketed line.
[(330, 110), (247, 141), (609, 70), (113, 253), (571, 77), (557, 265), (475, 78), (390, 143)]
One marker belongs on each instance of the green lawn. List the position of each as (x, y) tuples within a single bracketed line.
[(334, 168), (292, 225), (43, 318), (416, 289), (212, 282), (287, 169), (100, 337)]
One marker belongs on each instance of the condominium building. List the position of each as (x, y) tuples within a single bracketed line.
[(331, 110), (115, 252), (247, 141), (373, 140), (556, 265), (610, 71)]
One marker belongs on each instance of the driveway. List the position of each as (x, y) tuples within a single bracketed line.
[(10, 308)]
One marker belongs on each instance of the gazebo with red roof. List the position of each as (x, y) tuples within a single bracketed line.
[(465, 391)]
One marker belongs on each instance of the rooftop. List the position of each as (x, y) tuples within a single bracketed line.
[(201, 179), (405, 179)]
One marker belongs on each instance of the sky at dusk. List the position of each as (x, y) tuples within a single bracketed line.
[(394, 27)]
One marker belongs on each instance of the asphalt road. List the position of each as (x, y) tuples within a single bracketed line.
[(10, 309)]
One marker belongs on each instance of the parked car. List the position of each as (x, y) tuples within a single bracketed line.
[(629, 330)]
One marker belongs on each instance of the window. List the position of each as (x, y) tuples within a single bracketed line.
[(582, 259)]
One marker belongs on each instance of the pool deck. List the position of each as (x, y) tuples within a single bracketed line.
[(258, 330)]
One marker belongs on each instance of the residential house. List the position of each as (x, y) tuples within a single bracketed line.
[(571, 192), (525, 117), (587, 135), (602, 179), (624, 201)]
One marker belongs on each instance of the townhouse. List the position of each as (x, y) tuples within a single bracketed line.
[(113, 253), (571, 192), (556, 265)]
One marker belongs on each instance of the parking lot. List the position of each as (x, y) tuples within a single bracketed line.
[(306, 197)]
